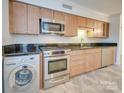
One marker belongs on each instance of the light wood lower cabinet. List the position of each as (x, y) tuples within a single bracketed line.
[(77, 63), (84, 61), (93, 61)]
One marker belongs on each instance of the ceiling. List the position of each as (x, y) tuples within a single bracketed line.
[(109, 7)]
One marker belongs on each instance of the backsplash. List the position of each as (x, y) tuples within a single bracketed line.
[(24, 39)]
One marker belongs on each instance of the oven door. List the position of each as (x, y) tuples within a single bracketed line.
[(50, 26), (56, 66)]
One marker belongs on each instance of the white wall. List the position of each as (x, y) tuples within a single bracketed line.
[(6, 37), (119, 54), (11, 39)]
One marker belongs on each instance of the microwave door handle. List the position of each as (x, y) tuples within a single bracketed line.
[(63, 27)]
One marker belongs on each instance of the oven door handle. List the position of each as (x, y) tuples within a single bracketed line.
[(55, 81)]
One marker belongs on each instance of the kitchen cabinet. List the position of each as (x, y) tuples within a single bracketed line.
[(82, 61), (93, 59), (24, 18), (100, 29), (46, 13), (77, 62), (51, 14), (108, 56), (90, 23), (106, 29), (33, 19), (59, 16), (70, 25), (18, 17), (81, 22)]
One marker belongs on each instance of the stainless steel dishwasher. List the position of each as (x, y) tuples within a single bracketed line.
[(108, 56)]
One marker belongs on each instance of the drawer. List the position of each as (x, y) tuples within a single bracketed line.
[(95, 50), (77, 52), (77, 60)]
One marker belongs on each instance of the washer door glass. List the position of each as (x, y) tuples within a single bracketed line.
[(23, 77)]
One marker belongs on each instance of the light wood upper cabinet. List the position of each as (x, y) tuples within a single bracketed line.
[(70, 25), (90, 23), (100, 29), (51, 14), (46, 13), (18, 17), (59, 16), (24, 18), (100, 32), (106, 29), (81, 22), (33, 19)]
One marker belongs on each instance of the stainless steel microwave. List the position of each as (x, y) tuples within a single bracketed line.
[(48, 26)]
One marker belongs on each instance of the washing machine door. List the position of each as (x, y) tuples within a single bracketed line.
[(22, 77)]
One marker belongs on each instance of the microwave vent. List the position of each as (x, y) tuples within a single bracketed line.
[(67, 6)]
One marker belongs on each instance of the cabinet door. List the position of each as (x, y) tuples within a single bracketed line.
[(77, 64), (70, 25), (95, 32), (46, 13), (106, 29), (18, 18), (100, 32), (59, 16), (101, 29), (93, 61), (90, 23), (81, 22), (33, 19)]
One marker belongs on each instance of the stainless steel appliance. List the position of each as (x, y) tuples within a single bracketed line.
[(49, 26), (56, 66), (108, 57)]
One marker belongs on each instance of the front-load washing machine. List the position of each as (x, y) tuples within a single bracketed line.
[(21, 74)]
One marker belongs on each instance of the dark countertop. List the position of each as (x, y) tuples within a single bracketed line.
[(27, 49), (76, 46), (86, 47)]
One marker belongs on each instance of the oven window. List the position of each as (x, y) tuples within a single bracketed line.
[(57, 66), (51, 26)]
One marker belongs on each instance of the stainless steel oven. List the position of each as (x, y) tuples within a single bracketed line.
[(48, 26), (56, 67)]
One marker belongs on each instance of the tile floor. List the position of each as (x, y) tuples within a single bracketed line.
[(105, 80)]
